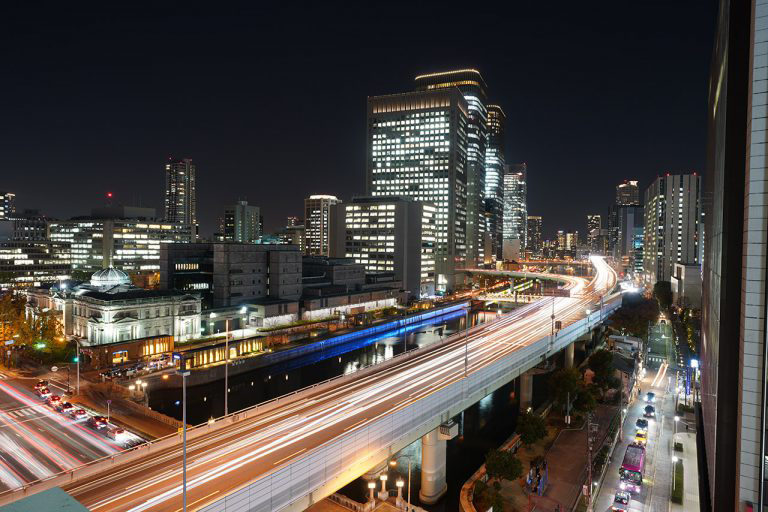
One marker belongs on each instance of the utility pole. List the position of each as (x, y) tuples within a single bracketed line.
[(589, 462)]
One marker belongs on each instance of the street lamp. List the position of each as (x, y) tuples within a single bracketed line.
[(677, 418), (674, 467), (466, 342), (399, 483), (393, 463), (383, 494), (371, 488), (184, 374), (144, 392)]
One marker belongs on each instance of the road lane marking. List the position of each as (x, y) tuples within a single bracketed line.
[(288, 457), (197, 501)]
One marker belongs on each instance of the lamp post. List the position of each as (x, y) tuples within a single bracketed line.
[(589, 312), (77, 360), (393, 463), (383, 494), (399, 483), (371, 488), (184, 374), (466, 342), (677, 419), (144, 392), (674, 467), (108, 403)]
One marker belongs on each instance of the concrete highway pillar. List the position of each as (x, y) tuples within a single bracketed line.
[(526, 391), (433, 484), (569, 349)]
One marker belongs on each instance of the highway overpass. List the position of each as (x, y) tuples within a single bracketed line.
[(291, 452)]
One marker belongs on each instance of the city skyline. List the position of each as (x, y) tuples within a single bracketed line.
[(219, 133)]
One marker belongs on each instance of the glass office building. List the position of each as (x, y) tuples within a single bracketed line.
[(515, 203), (417, 148), (471, 84), (494, 184)]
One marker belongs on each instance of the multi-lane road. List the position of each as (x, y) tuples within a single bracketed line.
[(37, 442), (225, 459)]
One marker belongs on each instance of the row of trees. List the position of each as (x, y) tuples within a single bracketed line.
[(567, 386), (40, 334)]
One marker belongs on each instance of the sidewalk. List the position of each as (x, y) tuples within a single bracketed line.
[(690, 472), (567, 463)]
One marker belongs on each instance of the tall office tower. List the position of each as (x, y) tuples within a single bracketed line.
[(7, 205), (242, 223), (474, 89), (533, 234), (417, 148), (571, 240), (317, 211), (594, 226), (630, 238), (494, 183), (515, 203), (561, 244), (180, 195), (389, 234), (672, 225), (732, 418), (628, 193), (292, 220)]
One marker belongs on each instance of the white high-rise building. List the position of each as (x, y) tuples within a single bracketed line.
[(180, 193), (515, 203), (672, 225), (7, 205), (317, 211), (417, 149), (241, 223)]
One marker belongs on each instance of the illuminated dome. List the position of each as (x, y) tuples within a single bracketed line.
[(110, 277)]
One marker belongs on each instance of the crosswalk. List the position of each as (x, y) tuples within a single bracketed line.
[(23, 413)]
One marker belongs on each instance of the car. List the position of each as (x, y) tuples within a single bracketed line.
[(641, 423), (98, 422), (650, 397), (621, 501), (650, 411), (41, 384), (44, 393), (65, 407), (116, 434), (54, 400), (641, 437), (79, 414)]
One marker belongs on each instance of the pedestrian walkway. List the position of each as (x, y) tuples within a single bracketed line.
[(688, 458)]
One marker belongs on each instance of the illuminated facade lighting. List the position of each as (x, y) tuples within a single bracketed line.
[(317, 211), (180, 193), (515, 203)]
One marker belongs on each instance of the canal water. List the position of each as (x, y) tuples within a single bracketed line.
[(483, 426)]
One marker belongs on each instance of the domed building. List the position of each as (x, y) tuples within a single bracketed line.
[(109, 308)]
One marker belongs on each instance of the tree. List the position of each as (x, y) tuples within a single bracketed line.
[(502, 465), (601, 362), (562, 383), (585, 400), (632, 317), (662, 292), (531, 428)]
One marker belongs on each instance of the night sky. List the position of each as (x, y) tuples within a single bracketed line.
[(270, 101)]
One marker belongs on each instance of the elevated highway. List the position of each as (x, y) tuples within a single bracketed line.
[(291, 452)]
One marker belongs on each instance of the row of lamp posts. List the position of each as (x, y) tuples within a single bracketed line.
[(399, 483)]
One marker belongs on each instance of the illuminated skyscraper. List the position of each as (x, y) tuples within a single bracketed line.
[(594, 225), (7, 205), (533, 234), (494, 184), (672, 225), (242, 223), (180, 195), (471, 84), (317, 210), (515, 203), (417, 148), (628, 193)]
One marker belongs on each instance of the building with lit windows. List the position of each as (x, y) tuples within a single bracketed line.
[(630, 238), (417, 148), (594, 226), (389, 234), (180, 193), (494, 182), (294, 235), (672, 225), (7, 205), (241, 223), (126, 238), (628, 193), (515, 203), (533, 234), (472, 85), (317, 211), (31, 263), (108, 308)]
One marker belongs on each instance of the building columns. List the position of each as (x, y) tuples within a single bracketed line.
[(433, 463), (526, 391), (569, 350)]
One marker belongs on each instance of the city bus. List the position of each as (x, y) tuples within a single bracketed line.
[(631, 471)]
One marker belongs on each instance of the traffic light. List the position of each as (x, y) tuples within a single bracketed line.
[(75, 359)]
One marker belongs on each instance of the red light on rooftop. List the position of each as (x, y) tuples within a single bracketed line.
[(109, 194)]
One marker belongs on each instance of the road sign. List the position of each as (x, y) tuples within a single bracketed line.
[(54, 368)]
